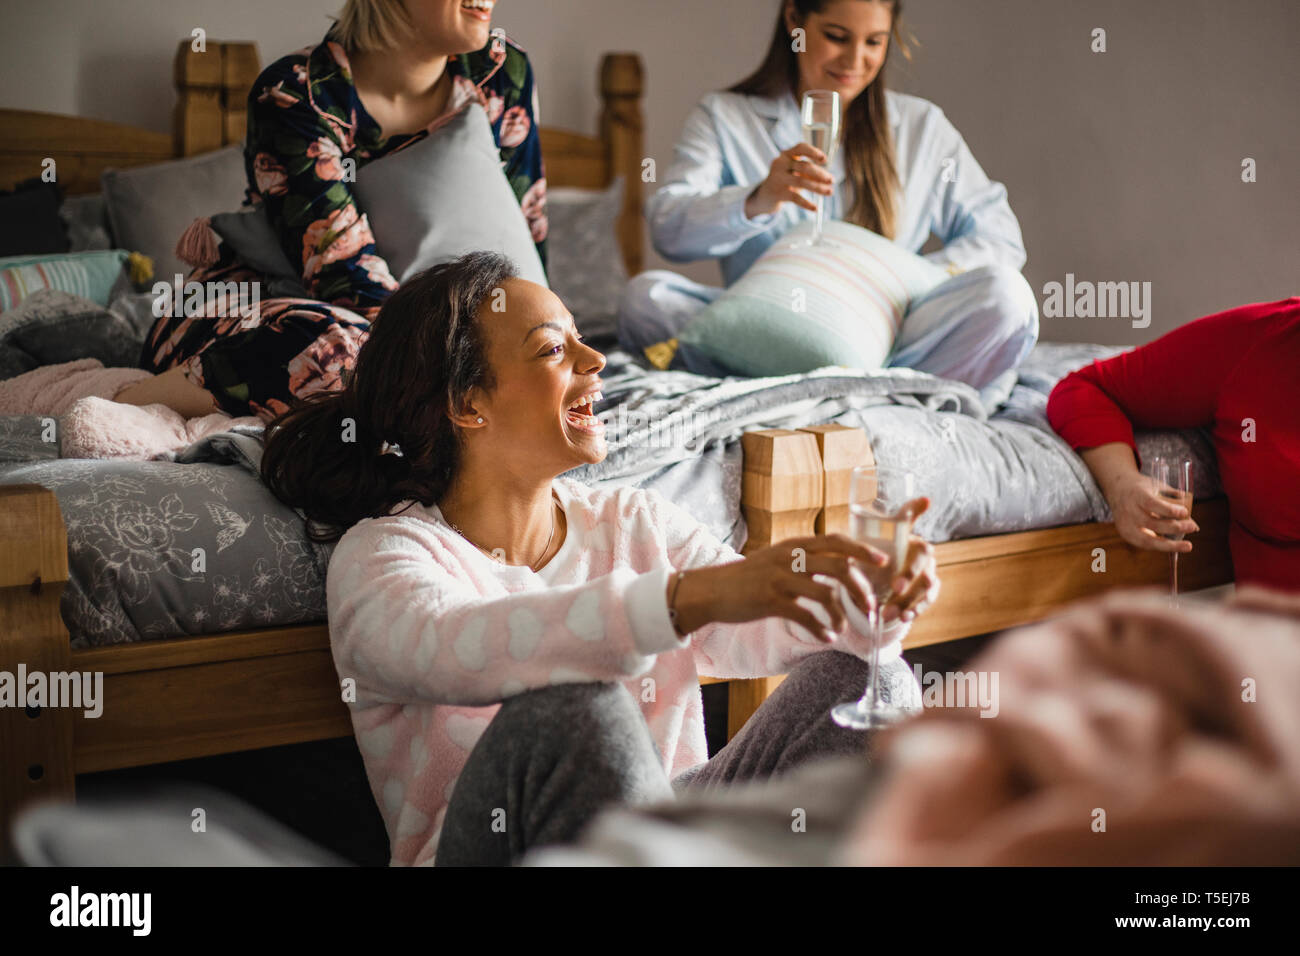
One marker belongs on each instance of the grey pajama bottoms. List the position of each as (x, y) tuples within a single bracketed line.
[(553, 758)]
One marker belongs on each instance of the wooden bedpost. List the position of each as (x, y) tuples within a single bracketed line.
[(36, 742), (781, 494), (842, 449), (621, 86), (794, 483), (212, 87), (781, 486)]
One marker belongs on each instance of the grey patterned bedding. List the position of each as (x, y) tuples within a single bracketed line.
[(197, 545)]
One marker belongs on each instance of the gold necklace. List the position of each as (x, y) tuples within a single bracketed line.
[(501, 558)]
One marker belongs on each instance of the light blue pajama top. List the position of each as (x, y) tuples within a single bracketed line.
[(727, 147)]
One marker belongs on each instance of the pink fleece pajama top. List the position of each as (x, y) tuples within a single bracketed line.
[(435, 634)]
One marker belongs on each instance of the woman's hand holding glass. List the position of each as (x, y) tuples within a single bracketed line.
[(781, 581), (815, 582), (799, 168), (1144, 518), (916, 588)]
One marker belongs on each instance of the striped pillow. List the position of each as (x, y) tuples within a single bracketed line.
[(90, 275), (798, 308)]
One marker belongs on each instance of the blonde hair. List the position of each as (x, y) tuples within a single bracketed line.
[(371, 25)]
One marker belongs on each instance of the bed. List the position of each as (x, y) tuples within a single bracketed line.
[(244, 662)]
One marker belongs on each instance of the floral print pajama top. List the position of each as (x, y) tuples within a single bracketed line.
[(304, 120)]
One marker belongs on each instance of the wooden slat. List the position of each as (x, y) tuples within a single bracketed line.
[(622, 83), (177, 713), (197, 696), (209, 649), (38, 133), (81, 148), (577, 171)]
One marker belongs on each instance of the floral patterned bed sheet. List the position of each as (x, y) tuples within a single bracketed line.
[(162, 549)]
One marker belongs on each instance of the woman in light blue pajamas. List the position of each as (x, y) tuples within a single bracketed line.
[(738, 181)]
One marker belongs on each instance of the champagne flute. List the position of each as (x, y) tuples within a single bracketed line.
[(1172, 478), (821, 128), (878, 517)]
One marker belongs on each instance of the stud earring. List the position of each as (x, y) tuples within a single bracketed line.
[(479, 419)]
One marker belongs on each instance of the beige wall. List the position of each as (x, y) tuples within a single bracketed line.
[(1121, 166)]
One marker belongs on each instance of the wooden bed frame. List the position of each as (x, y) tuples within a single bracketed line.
[(198, 696)]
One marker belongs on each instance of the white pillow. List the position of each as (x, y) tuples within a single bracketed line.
[(443, 197), (802, 307)]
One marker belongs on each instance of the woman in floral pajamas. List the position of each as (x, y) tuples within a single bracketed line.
[(305, 117)]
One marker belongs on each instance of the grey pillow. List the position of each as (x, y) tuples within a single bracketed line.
[(150, 206), (250, 234), (444, 196), (52, 326), (586, 260)]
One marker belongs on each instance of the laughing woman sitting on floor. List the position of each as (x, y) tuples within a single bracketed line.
[(521, 643)]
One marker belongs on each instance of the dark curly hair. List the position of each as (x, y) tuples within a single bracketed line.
[(424, 353)]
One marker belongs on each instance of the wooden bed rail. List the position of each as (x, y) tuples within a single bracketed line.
[(991, 583)]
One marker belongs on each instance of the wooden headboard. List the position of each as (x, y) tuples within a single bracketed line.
[(212, 91)]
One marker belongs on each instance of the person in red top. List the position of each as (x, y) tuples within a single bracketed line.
[(1236, 373)]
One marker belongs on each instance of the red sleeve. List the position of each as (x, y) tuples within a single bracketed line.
[(1173, 382)]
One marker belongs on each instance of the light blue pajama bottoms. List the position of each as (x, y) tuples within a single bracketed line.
[(976, 327)]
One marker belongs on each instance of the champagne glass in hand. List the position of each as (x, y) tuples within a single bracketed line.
[(1172, 478), (880, 516), (821, 128)]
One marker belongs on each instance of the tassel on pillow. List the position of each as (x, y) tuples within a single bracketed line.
[(139, 267), (198, 244)]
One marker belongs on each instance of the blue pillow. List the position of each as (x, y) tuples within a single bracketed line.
[(90, 275), (802, 307)]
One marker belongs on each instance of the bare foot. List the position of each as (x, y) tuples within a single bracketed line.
[(172, 389)]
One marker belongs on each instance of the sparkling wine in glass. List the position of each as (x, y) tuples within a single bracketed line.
[(879, 517), (821, 128), (1172, 478)]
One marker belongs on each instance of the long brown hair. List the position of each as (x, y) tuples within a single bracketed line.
[(868, 140), (424, 353)]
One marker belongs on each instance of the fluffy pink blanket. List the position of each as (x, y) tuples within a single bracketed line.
[(1127, 733), (92, 425)]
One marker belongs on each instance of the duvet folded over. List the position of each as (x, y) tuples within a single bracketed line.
[(1126, 733), (91, 425)]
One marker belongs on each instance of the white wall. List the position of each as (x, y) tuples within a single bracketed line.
[(1121, 166)]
